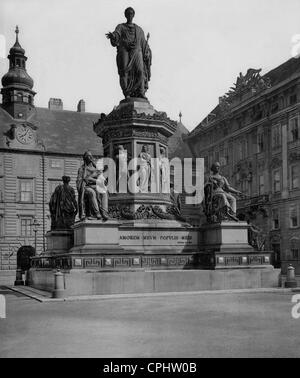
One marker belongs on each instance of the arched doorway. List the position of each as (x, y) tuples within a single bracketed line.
[(23, 257)]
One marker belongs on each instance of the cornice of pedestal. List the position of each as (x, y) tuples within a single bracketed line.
[(135, 113)]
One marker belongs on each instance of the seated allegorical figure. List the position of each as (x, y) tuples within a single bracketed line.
[(219, 202), (92, 193)]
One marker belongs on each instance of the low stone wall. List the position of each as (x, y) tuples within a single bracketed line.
[(84, 282), (42, 279), (7, 277)]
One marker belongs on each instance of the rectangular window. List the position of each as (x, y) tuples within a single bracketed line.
[(275, 219), (276, 181), (26, 227), (261, 185), (293, 99), (1, 189), (274, 107), (294, 220), (295, 254), (206, 164), (245, 187), (276, 136), (295, 176), (56, 163), (26, 190), (226, 156), (1, 225), (294, 129), (244, 152), (260, 143)]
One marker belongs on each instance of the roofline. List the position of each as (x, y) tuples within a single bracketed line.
[(246, 102), (41, 152), (65, 110)]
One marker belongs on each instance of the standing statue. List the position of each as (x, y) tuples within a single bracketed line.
[(91, 202), (219, 203), (145, 170), (133, 56), (63, 206), (122, 170), (164, 172)]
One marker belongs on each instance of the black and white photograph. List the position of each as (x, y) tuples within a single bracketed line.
[(149, 182)]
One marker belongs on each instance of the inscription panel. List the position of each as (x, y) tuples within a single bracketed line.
[(158, 238)]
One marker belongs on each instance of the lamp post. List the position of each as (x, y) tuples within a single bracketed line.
[(35, 225)]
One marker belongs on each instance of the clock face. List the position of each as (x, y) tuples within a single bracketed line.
[(24, 134)]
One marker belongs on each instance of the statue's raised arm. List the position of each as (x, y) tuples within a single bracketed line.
[(134, 56)]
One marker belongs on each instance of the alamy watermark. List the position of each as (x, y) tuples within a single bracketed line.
[(296, 307), (2, 307), (151, 175)]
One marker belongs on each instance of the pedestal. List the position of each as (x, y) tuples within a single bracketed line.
[(127, 246), (225, 246), (133, 124), (59, 241)]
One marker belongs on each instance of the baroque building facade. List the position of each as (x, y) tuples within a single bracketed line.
[(254, 133), (37, 147)]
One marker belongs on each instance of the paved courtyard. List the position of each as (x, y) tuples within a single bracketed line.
[(186, 325)]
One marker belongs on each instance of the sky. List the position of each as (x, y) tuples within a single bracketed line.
[(199, 47)]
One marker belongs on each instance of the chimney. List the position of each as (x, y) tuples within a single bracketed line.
[(81, 106), (55, 104)]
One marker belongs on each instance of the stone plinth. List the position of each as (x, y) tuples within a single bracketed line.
[(225, 246), (93, 282), (59, 241), (131, 245), (141, 256)]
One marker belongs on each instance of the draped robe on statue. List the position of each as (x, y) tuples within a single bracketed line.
[(63, 207), (133, 59)]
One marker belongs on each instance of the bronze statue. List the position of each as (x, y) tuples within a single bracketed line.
[(63, 206), (91, 202), (219, 203), (133, 56)]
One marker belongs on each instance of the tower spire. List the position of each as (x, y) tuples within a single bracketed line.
[(180, 116), (17, 34), (17, 93)]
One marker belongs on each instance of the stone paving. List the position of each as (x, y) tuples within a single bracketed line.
[(224, 324)]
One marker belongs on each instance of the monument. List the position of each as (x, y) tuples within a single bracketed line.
[(130, 236)]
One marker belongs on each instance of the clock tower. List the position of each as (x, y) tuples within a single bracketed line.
[(17, 93)]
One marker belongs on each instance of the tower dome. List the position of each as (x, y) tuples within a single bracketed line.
[(17, 74)]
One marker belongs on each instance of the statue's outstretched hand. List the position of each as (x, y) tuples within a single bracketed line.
[(109, 35)]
